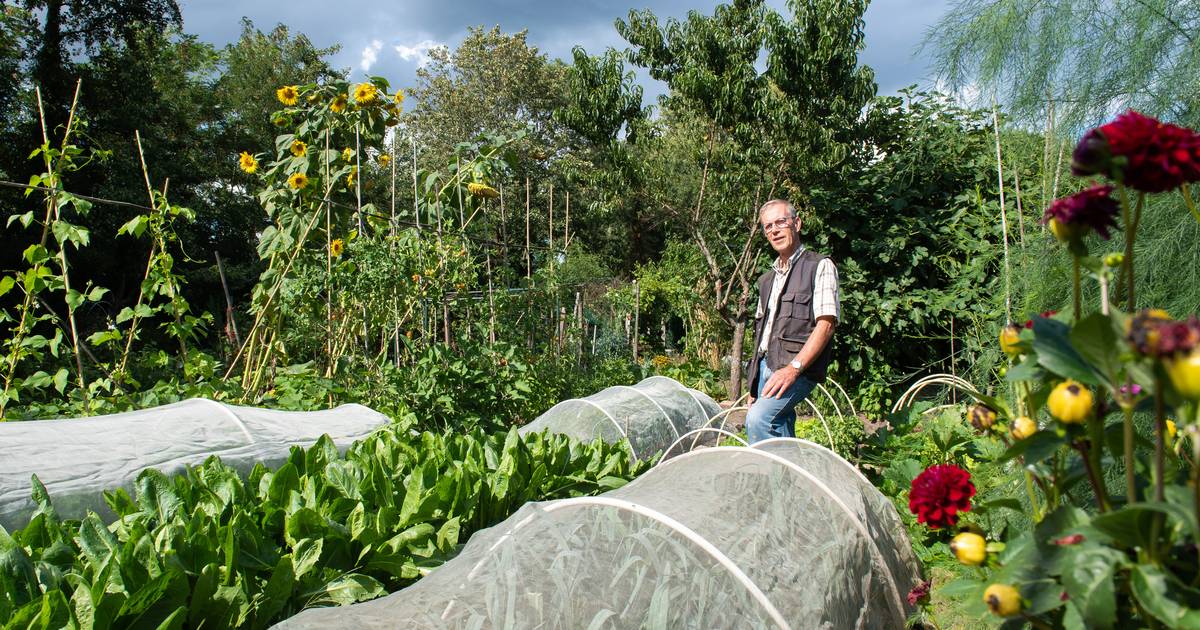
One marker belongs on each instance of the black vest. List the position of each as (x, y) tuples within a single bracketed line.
[(794, 322)]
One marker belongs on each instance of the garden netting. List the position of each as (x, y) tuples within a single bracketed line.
[(78, 459), (652, 415), (784, 534)]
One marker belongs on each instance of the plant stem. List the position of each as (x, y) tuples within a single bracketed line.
[(1186, 191), (1095, 480), (1077, 281), (1130, 473), (1130, 235)]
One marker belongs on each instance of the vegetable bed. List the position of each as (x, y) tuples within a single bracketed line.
[(210, 549)]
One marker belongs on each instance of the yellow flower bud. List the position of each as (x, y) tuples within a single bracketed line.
[(981, 417), (1171, 430), (1070, 402), (1002, 599), (1184, 372), (1010, 336), (1023, 427), (969, 548), (1063, 231)]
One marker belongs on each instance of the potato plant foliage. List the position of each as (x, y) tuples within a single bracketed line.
[(211, 549)]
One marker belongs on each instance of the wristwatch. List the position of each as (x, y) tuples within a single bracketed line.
[(796, 364)]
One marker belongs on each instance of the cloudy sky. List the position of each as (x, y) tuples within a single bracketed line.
[(390, 39)]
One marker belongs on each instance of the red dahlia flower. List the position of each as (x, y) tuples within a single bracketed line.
[(1094, 208), (919, 593), (1145, 154), (939, 493), (1179, 337)]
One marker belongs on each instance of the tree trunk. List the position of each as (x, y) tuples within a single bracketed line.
[(735, 355)]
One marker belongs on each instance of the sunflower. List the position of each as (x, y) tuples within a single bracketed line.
[(365, 93), (339, 104), (337, 247), (287, 95), (247, 162), (347, 154), (384, 159), (399, 97), (351, 176), (482, 190), (298, 181), (298, 148)]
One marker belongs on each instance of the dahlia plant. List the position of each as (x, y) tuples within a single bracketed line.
[(1092, 555)]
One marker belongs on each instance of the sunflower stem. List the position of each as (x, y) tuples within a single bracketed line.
[(1130, 472)]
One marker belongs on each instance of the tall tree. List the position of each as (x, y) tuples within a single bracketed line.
[(1089, 57)]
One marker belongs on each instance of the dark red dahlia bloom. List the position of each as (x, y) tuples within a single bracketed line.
[(919, 593), (1093, 208), (939, 493), (1179, 337), (1144, 153)]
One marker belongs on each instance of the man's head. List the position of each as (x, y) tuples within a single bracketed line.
[(780, 225)]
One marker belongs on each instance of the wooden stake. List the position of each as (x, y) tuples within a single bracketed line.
[(230, 321), (637, 306), (567, 227), (528, 261), (416, 206), (552, 224)]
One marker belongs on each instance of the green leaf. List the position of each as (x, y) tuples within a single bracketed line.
[(156, 495), (60, 380), (1088, 578), (1035, 448), (1096, 340), (1165, 598), (6, 284), (350, 589), (278, 590), (1056, 354), (305, 556), (97, 543), (1129, 525)]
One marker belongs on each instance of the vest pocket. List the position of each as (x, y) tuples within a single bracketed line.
[(795, 306)]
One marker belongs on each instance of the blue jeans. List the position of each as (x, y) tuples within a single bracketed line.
[(775, 417)]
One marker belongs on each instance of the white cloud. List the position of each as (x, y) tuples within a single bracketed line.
[(418, 52), (370, 54)]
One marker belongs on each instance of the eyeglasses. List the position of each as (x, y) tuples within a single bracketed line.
[(777, 224)]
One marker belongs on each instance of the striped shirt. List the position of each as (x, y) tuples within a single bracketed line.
[(826, 297)]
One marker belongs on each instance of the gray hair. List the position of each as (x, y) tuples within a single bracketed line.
[(791, 210)]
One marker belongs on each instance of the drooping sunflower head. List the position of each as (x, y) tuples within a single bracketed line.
[(339, 104), (482, 190), (288, 95), (365, 93), (298, 148), (298, 181), (352, 176), (248, 162), (384, 159), (347, 154)]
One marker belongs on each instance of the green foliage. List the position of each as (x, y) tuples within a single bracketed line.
[(209, 548), (1028, 51)]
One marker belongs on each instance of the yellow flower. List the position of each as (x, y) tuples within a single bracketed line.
[(339, 104), (416, 277), (1002, 599), (350, 178), (1171, 430), (365, 93), (1070, 402), (298, 148), (287, 95), (298, 181), (1010, 336), (482, 190), (384, 159), (347, 154), (247, 162), (1023, 427), (398, 97), (1184, 372), (970, 548), (337, 247), (660, 361)]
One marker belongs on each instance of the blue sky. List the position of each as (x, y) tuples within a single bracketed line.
[(390, 39)]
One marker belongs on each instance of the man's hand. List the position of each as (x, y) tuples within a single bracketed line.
[(780, 381)]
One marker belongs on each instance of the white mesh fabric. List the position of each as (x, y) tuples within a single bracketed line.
[(651, 415), (719, 538), (77, 459)]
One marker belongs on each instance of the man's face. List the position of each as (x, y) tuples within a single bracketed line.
[(780, 229)]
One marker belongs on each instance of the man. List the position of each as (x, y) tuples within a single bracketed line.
[(798, 308)]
